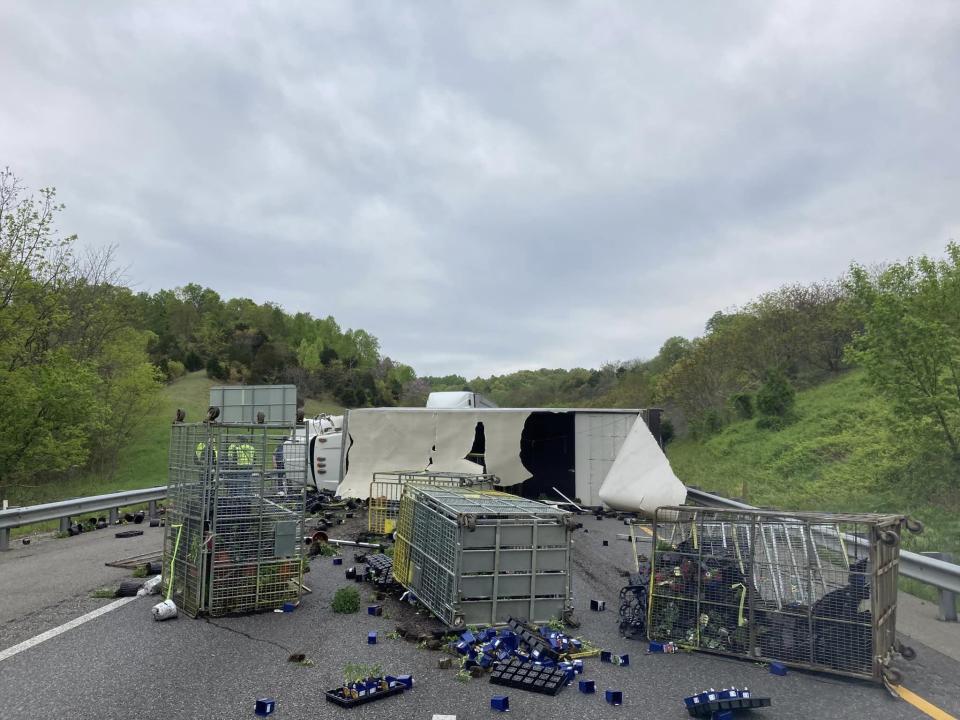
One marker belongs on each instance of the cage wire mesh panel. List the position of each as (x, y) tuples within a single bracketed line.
[(480, 556), (239, 510), (387, 488), (811, 590)]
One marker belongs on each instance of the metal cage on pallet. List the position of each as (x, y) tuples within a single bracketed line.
[(386, 489), (812, 590), (234, 519), (480, 557)]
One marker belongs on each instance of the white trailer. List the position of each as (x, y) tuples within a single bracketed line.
[(534, 450)]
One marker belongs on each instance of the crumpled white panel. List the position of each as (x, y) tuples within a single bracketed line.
[(641, 479)]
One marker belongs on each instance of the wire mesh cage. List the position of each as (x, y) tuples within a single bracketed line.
[(235, 518), (811, 590), (479, 557), (386, 490)]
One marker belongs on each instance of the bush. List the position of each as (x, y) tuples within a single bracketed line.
[(667, 433), (776, 396), (771, 422), (708, 424), (324, 549), (742, 405), (346, 600), (216, 371), (192, 361), (175, 369)]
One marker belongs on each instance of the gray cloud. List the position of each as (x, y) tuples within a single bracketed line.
[(490, 186)]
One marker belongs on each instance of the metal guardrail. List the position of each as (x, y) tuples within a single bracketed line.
[(64, 509), (943, 575)]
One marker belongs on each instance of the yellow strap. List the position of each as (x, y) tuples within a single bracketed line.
[(736, 546), (741, 621), (176, 546)]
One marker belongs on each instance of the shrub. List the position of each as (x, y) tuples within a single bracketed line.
[(776, 396), (346, 600), (324, 549), (708, 424), (175, 369), (742, 405), (771, 422), (667, 432), (193, 361), (216, 371)]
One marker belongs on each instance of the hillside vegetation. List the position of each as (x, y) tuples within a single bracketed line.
[(143, 463), (840, 453), (86, 363)]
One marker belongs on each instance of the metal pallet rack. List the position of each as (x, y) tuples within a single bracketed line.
[(386, 489), (812, 590), (479, 557), (242, 515)]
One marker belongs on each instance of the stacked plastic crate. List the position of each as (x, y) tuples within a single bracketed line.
[(480, 557)]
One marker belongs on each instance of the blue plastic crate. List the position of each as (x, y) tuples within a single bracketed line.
[(614, 697), (265, 706)]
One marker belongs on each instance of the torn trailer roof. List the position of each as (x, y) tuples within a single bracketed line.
[(599, 456)]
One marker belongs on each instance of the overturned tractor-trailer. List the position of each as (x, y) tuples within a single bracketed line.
[(606, 457)]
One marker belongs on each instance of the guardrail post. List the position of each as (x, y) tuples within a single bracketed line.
[(114, 516), (4, 538), (64, 524), (152, 509), (948, 598)]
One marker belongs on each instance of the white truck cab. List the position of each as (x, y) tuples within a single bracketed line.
[(321, 439)]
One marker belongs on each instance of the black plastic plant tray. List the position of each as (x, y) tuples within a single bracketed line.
[(533, 639), (335, 697), (527, 676), (706, 710)]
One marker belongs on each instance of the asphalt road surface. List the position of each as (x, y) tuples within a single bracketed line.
[(124, 665)]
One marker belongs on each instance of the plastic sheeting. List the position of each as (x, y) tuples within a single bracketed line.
[(641, 479), (385, 440)]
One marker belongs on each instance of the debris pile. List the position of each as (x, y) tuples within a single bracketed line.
[(379, 570)]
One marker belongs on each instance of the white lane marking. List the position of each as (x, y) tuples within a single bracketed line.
[(76, 622)]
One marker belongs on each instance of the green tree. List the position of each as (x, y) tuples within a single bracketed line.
[(910, 343)]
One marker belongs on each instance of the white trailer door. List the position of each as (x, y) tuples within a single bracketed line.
[(599, 437)]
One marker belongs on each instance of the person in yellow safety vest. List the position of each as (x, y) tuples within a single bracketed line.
[(242, 453), (201, 450), (242, 456)]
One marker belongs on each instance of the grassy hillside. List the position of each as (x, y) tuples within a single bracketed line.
[(144, 462), (839, 455)]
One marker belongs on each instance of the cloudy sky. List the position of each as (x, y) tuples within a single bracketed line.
[(489, 186)]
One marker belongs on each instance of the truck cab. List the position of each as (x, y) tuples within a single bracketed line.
[(320, 439)]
